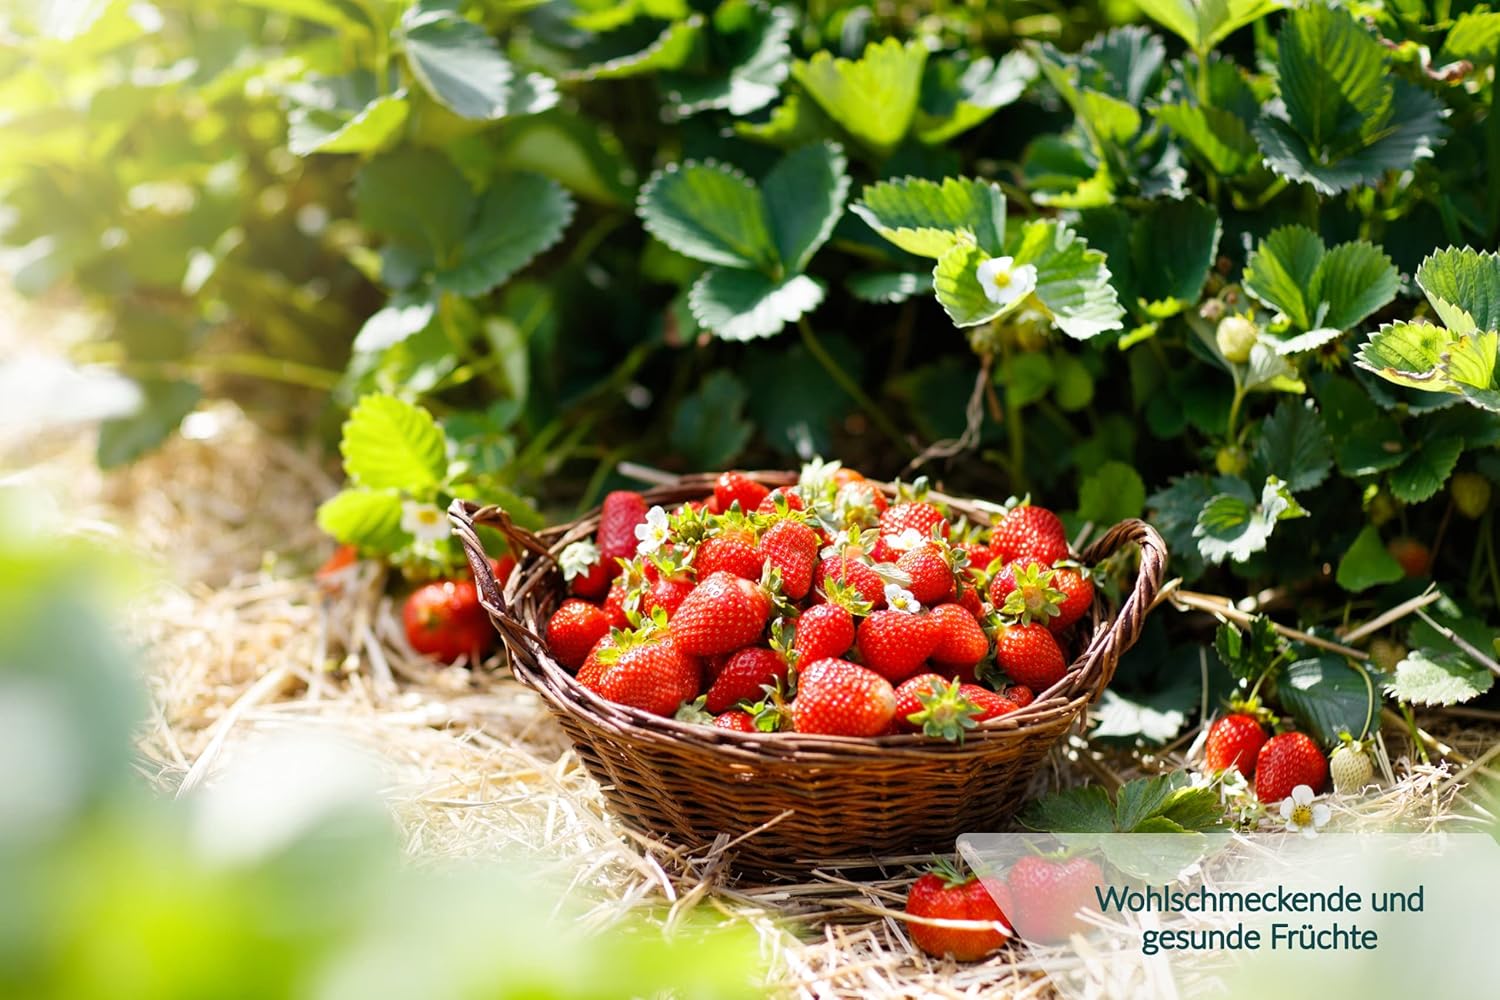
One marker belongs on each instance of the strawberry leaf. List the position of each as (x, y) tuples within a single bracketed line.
[(804, 196), (1328, 696), (756, 38), (929, 218), (460, 65), (366, 518), (668, 51), (1426, 677), (958, 94), (1072, 280), (390, 444), (1294, 445), (1367, 563), (1322, 292), (709, 212), (520, 216), (745, 305), (874, 98), (1203, 25), (371, 128)]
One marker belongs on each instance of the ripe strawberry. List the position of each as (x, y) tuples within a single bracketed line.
[(1030, 655), (1030, 532), (1285, 762), (909, 701), (960, 641), (1026, 589), (723, 613), (1233, 741), (990, 704), (839, 698), (1414, 557), (731, 551), (648, 671), (944, 895), (916, 516), (980, 556), (444, 620), (622, 511), (779, 495), (895, 643), (823, 631), (735, 487), (852, 573), (859, 502), (1350, 767), (1471, 494), (931, 576), (588, 674), (336, 568), (792, 548), (1078, 596), (1020, 694), (614, 603), (743, 676), (739, 722), (970, 601), (1047, 896), (574, 629), (588, 573), (666, 593)]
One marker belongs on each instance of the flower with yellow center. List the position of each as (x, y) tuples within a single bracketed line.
[(423, 521), (1303, 812), (1004, 283)]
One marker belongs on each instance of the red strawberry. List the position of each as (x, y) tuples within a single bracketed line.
[(909, 699), (944, 895), (970, 601), (723, 613), (1078, 596), (990, 704), (1020, 694), (740, 722), (961, 642), (1025, 589), (335, 569), (666, 593), (743, 676), (588, 674), (1285, 762), (614, 603), (588, 573), (1029, 655), (1047, 896), (1030, 532), (732, 550), (1233, 741), (574, 629), (622, 511), (779, 495), (852, 573), (860, 502), (736, 487), (823, 631), (648, 672), (1414, 557), (895, 643), (916, 516), (980, 556), (444, 620), (792, 548), (931, 576), (839, 698)]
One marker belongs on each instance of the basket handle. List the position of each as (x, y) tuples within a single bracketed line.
[(466, 517), (1112, 643)]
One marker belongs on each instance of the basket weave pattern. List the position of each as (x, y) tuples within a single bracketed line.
[(824, 796)]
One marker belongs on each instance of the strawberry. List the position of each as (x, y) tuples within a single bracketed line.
[(1414, 557), (735, 487), (1024, 589), (990, 704), (732, 550), (1030, 655), (970, 601), (1285, 762), (931, 576), (1350, 767), (852, 573), (336, 568), (960, 641), (942, 894), (648, 671), (859, 502), (1471, 494), (895, 643), (667, 593), (792, 548), (1078, 596), (444, 620), (914, 516), (1047, 896), (723, 613), (574, 629), (739, 722), (911, 710), (980, 556), (1233, 741), (777, 497), (1030, 532), (743, 676), (1020, 694), (839, 698), (622, 511), (823, 631), (587, 572), (588, 674), (614, 603)]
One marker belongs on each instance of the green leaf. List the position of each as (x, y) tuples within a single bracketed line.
[(403, 316), (1082, 809), (1408, 354), (804, 196), (1279, 273), (757, 37), (669, 51), (889, 287), (427, 228), (1332, 76), (578, 152), (373, 128), (1430, 678), (1367, 563), (1154, 719), (744, 305), (1353, 281), (1294, 445), (1470, 367), (1426, 469), (1232, 527), (956, 282), (1474, 36), (328, 13), (519, 217), (873, 99), (958, 94), (1174, 244), (456, 61), (1072, 279), (928, 218), (709, 428), (1175, 511), (1203, 24), (1219, 137), (1144, 799), (365, 518), (1112, 492), (389, 443), (1328, 696), (710, 212), (164, 403), (1463, 285), (1320, 291), (1248, 655)]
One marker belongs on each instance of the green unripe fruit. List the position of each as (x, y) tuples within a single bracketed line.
[(1471, 494), (1382, 508), (1235, 336), (1231, 461)]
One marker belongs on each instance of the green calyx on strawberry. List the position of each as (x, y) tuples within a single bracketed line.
[(944, 711), (1025, 593)]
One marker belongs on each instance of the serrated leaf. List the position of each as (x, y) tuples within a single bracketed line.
[(1464, 287), (456, 61), (1474, 36), (668, 51), (889, 288), (1426, 469), (1470, 367), (1220, 138), (389, 443), (1145, 798), (427, 229), (1174, 244), (1072, 279), (1203, 24), (1294, 445), (875, 98), (1175, 511), (1367, 563), (1354, 280), (1429, 678), (958, 94), (371, 129), (1279, 272), (1231, 527), (709, 428), (366, 518), (1110, 493), (1249, 654), (758, 60), (710, 212), (1332, 76), (1327, 696), (1082, 809), (928, 218), (955, 279), (745, 305), (804, 197), (520, 216), (1408, 354)]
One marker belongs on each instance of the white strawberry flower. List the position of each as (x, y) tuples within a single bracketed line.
[(898, 598), (423, 521), (1005, 284), (1303, 812), (577, 559), (909, 539), (816, 475), (654, 532)]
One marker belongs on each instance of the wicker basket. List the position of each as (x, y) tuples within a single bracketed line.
[(823, 797)]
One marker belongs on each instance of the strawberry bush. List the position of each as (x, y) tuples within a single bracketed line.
[(1227, 266)]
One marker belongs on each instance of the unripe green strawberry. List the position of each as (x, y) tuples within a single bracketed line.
[(1350, 768), (1471, 494), (1230, 461), (1235, 336)]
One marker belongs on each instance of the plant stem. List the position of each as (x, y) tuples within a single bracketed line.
[(248, 365), (1015, 434), (846, 382)]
